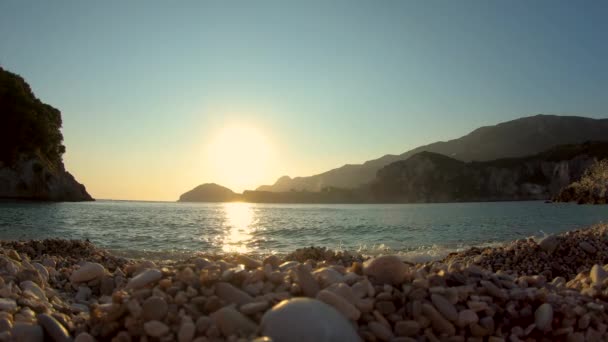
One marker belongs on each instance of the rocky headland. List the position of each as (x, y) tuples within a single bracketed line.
[(31, 147), (555, 289), (592, 188)]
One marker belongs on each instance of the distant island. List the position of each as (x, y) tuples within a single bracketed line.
[(31, 147), (431, 177)]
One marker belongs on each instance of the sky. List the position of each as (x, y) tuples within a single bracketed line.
[(160, 96)]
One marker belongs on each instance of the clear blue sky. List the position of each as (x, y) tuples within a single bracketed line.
[(145, 85)]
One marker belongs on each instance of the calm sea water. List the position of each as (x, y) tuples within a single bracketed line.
[(417, 231)]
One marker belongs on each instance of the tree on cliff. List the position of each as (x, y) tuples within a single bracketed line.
[(27, 125), (591, 188)]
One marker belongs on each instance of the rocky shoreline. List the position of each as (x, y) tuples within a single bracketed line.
[(555, 289)]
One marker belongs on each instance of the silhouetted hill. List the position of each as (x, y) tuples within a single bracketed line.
[(31, 147), (516, 138), (209, 192)]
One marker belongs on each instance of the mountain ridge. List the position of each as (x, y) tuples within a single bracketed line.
[(536, 134)]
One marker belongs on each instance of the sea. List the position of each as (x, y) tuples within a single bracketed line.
[(166, 230)]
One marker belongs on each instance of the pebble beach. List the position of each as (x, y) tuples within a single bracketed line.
[(554, 289)]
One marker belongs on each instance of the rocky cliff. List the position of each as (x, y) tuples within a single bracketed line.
[(431, 177), (511, 139), (31, 149)]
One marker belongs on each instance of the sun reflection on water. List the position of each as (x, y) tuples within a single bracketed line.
[(239, 219)]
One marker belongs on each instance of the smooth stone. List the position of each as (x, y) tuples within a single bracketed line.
[(543, 316), (440, 324), (407, 328), (587, 247), (549, 243), (44, 273), (388, 269), (288, 265), (326, 276), (144, 278), (247, 261), (7, 304), (598, 274), (252, 308), (23, 332), (53, 328), (339, 303), (155, 328), (186, 332), (466, 317), (87, 272), (272, 260), (307, 282), (84, 337), (309, 319), (343, 290), (446, 308), (83, 294), (154, 308), (232, 322), (379, 330), (232, 294)]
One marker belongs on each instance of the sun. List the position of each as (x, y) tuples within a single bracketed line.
[(240, 157)]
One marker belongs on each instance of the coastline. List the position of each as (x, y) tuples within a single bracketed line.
[(555, 289)]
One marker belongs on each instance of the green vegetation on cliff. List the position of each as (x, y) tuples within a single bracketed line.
[(27, 125), (592, 188)]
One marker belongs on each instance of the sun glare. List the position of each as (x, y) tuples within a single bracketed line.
[(240, 157)]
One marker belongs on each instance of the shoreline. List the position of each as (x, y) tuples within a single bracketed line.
[(555, 289)]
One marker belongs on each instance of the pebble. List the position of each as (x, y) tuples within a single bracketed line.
[(339, 303), (307, 282), (543, 316), (379, 330), (154, 308), (598, 274), (253, 308), (155, 328), (84, 337), (309, 319), (388, 269), (549, 243), (446, 308), (439, 323), (7, 304), (272, 260), (186, 332), (23, 332), (467, 317), (587, 247), (248, 262), (53, 328), (231, 322), (87, 272), (149, 276), (231, 294), (5, 324), (407, 328)]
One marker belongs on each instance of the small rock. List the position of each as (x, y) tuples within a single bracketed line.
[(380, 331), (87, 272), (446, 308), (339, 303), (232, 294), (466, 317), (154, 308), (53, 328), (549, 244), (186, 332), (7, 304), (543, 316), (598, 274), (440, 324), (232, 322), (155, 328), (272, 260), (248, 262), (388, 269), (5, 324), (307, 282), (23, 332), (407, 328), (252, 308), (587, 247), (144, 278), (84, 337), (309, 319)]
